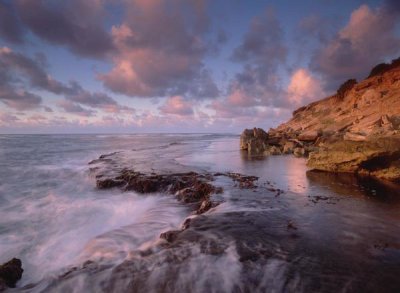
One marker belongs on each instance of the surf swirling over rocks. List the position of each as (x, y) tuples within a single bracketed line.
[(356, 130)]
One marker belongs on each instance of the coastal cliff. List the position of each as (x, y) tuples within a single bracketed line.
[(355, 130)]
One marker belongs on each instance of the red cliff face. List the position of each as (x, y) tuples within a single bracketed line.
[(355, 130), (357, 112)]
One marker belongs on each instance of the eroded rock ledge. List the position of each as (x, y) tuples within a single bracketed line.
[(190, 188), (355, 130)]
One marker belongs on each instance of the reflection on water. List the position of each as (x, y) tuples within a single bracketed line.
[(350, 184)]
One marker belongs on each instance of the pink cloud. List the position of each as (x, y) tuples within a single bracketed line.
[(367, 39), (160, 51), (304, 88), (177, 105)]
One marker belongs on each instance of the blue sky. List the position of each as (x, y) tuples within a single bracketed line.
[(181, 65)]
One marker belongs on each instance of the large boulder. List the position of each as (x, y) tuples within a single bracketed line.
[(378, 157), (10, 273), (254, 141), (245, 138)]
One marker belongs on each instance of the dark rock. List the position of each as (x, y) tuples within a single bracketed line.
[(205, 206), (198, 191), (11, 272), (108, 183), (170, 236), (291, 225), (244, 181), (253, 140)]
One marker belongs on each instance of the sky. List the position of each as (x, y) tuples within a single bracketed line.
[(155, 66)]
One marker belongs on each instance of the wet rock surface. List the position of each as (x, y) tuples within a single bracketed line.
[(191, 188), (247, 252), (10, 273), (356, 130)]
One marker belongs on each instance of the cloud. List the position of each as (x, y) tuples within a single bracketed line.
[(257, 87), (48, 109), (97, 100), (74, 108), (160, 50), (177, 106), (10, 27), (261, 52), (304, 88), (8, 119), (15, 66), (19, 72), (11, 92), (368, 39), (19, 99), (77, 24), (157, 50)]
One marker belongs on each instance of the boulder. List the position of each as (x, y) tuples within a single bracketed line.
[(289, 147), (10, 272), (254, 141), (274, 150), (245, 138), (299, 152), (256, 147), (310, 135)]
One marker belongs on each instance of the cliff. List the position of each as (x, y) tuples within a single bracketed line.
[(355, 130)]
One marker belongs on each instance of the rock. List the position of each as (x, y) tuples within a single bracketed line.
[(108, 183), (244, 181), (195, 193), (274, 150), (170, 236), (395, 119), (253, 140), (354, 136), (310, 135), (299, 152), (379, 157), (245, 138), (205, 206), (386, 123), (256, 147), (190, 188), (289, 147), (11, 272)]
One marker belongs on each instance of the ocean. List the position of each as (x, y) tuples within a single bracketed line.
[(323, 233)]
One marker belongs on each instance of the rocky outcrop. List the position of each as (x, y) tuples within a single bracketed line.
[(10, 273), (354, 130), (192, 188), (254, 141), (379, 157)]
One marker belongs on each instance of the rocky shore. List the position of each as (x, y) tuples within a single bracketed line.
[(356, 130)]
